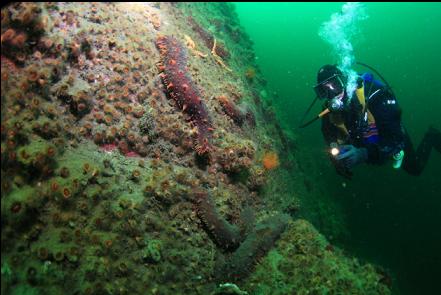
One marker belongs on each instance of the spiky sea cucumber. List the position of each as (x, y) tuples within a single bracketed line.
[(181, 88), (230, 108), (255, 246), (226, 235)]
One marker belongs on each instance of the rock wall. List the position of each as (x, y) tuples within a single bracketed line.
[(116, 118)]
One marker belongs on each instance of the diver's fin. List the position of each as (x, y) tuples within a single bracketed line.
[(433, 137)]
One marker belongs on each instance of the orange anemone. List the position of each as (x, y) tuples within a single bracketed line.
[(270, 160)]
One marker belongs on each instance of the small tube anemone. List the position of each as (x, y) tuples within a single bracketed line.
[(19, 40), (131, 137), (136, 174), (81, 107), (67, 193), (43, 253), (35, 102), (46, 43), (7, 35), (54, 186), (21, 57), (11, 133), (108, 119), (86, 168), (82, 131), (123, 268), (108, 244), (50, 152), (24, 154), (98, 138), (16, 207), (107, 109), (59, 256), (98, 116), (122, 132), (33, 75), (38, 54), (64, 172)]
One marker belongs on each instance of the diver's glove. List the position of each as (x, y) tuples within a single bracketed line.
[(351, 156), (341, 168)]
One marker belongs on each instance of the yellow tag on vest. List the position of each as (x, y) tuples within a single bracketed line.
[(362, 99)]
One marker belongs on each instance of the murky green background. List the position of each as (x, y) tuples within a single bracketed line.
[(394, 219)]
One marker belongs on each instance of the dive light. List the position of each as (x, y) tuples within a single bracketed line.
[(336, 150)]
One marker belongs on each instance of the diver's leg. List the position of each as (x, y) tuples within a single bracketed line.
[(415, 161), (435, 137), (410, 163)]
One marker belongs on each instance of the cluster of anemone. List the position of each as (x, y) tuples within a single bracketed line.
[(14, 38), (236, 157), (24, 24)]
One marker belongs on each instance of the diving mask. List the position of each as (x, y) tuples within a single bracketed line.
[(330, 88)]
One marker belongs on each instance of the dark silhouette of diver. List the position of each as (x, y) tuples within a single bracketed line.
[(367, 126)]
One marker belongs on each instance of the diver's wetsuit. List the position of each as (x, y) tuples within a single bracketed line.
[(392, 136)]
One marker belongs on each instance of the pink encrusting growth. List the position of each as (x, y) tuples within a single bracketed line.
[(181, 88), (108, 147)]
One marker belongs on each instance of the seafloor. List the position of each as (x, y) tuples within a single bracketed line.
[(140, 154)]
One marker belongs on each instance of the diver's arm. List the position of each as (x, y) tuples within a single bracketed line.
[(329, 131), (387, 115), (330, 134)]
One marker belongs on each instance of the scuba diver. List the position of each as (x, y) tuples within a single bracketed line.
[(367, 128)]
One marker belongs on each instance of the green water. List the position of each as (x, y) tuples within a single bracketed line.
[(393, 218)]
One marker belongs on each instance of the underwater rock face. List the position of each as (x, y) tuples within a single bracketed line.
[(99, 170), (303, 262)]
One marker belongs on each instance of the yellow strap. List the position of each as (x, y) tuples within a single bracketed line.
[(360, 95), (337, 120), (362, 99)]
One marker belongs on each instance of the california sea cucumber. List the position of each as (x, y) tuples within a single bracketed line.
[(226, 235), (181, 88), (252, 249)]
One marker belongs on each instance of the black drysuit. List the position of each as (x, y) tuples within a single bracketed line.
[(392, 136)]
